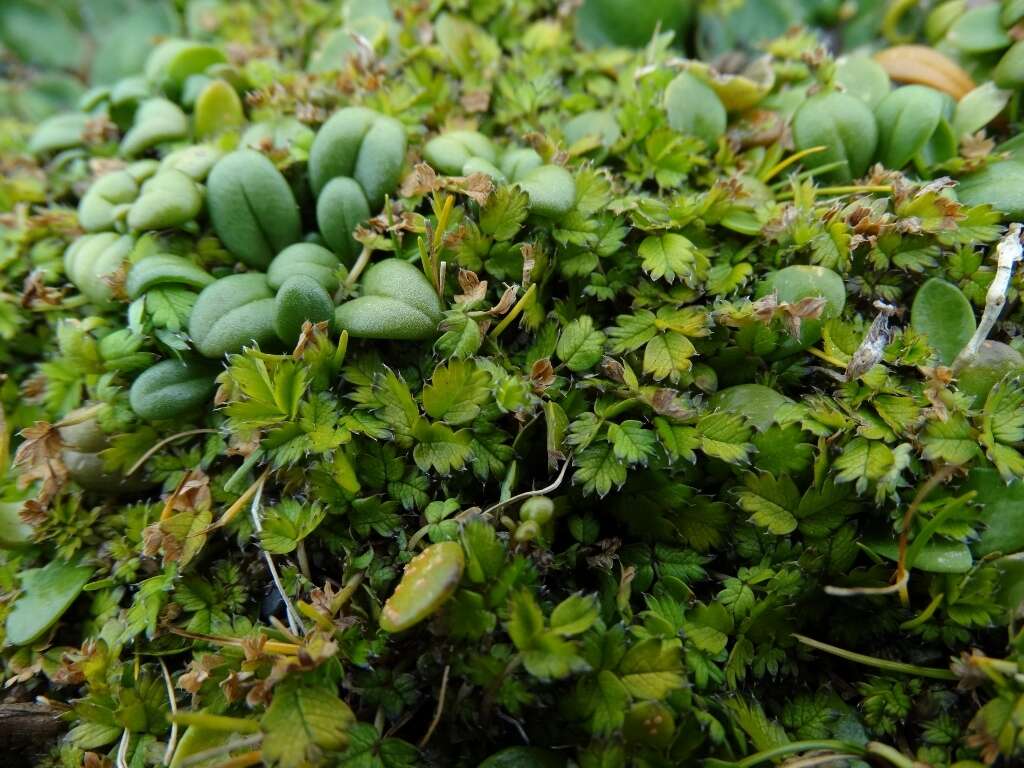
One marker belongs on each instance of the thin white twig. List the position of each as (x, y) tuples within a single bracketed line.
[(515, 724), (358, 267), (538, 492), (1008, 253), (440, 709), (148, 454), (294, 620), (172, 742), (122, 749), (854, 591)]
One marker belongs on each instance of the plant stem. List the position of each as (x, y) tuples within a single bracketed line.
[(782, 165), (1008, 253), (889, 754), (929, 485), (172, 741), (222, 723), (146, 456), (294, 620), (527, 494), (514, 312), (871, 661), (358, 267), (207, 754), (346, 593), (243, 761), (440, 709), (800, 746)]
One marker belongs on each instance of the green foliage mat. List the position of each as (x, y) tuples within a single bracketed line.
[(513, 383)]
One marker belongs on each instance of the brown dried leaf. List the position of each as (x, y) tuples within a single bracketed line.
[(506, 302), (614, 370), (668, 402), (192, 494), (198, 672), (473, 288), (421, 181), (476, 101), (477, 186), (309, 333), (542, 374), (809, 308), (39, 459), (529, 252), (35, 292)]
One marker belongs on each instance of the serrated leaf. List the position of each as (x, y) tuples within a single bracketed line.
[(462, 335), (188, 528), (669, 257), (771, 502), (302, 722), (553, 658), (373, 514), (288, 523), (170, 308), (667, 355), (506, 210), (525, 620), (652, 668), (491, 452), (704, 524), (680, 442), (367, 749), (440, 448), (725, 436), (951, 440), (1008, 461), (485, 555), (608, 699), (863, 461), (631, 442), (456, 391), (397, 407), (580, 346), (1003, 414), (632, 331), (598, 469), (574, 615)]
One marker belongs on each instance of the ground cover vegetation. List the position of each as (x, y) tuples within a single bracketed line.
[(513, 383)]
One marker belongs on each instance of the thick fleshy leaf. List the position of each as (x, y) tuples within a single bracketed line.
[(47, 593), (944, 315)]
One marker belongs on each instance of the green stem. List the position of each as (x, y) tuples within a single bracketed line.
[(236, 480), (782, 165), (800, 746), (924, 615), (223, 723), (514, 312), (871, 661), (889, 754), (346, 593)]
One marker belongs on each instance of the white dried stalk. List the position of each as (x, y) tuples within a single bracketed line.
[(294, 621), (1008, 253)]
